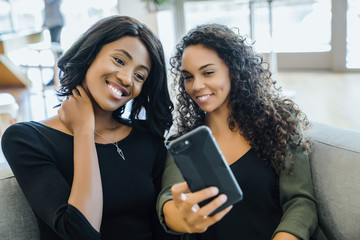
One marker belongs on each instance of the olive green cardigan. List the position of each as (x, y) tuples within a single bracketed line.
[(296, 198)]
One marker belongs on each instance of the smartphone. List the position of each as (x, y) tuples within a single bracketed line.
[(202, 165)]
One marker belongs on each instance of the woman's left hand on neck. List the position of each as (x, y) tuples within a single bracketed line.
[(77, 112)]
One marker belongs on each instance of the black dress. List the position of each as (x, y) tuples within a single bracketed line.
[(258, 214), (42, 161)]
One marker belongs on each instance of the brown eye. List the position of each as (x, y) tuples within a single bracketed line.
[(120, 61), (188, 77), (140, 76), (208, 73)]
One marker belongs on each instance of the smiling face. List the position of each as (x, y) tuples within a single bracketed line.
[(206, 78), (118, 73)]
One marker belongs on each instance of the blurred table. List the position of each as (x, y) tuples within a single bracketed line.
[(11, 74), (12, 79), (22, 98)]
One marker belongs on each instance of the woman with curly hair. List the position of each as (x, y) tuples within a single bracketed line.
[(224, 84)]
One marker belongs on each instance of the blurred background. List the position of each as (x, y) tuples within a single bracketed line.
[(312, 46)]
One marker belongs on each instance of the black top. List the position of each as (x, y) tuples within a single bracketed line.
[(42, 161), (259, 213)]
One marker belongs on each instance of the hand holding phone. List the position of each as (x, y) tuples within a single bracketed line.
[(202, 165), (189, 217)]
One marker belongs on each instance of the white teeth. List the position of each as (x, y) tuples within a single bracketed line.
[(117, 92), (203, 98)]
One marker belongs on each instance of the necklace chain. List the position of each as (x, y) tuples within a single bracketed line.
[(119, 151)]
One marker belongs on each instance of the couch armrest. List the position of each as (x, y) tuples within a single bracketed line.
[(17, 221), (335, 166)]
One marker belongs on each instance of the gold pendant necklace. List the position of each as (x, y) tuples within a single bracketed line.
[(119, 151)]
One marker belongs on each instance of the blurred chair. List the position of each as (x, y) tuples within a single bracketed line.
[(8, 111)]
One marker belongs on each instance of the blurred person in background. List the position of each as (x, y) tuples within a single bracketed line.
[(54, 19)]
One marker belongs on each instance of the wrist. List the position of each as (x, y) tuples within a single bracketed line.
[(173, 219), (84, 130), (285, 236)]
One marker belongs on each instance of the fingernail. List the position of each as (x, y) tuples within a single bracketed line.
[(215, 190), (223, 197), (194, 209), (183, 197)]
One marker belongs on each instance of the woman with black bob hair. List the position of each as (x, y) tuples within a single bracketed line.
[(154, 97), (87, 172), (222, 83)]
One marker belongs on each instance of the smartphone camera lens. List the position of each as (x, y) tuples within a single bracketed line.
[(180, 147)]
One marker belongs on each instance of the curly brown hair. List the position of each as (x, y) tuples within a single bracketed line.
[(270, 122)]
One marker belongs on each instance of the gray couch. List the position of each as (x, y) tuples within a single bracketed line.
[(335, 163)]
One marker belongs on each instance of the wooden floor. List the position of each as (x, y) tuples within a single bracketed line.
[(332, 98)]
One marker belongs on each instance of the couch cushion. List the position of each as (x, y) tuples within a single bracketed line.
[(17, 221), (335, 165)]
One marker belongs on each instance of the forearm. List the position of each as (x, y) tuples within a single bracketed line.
[(86, 191), (285, 236)]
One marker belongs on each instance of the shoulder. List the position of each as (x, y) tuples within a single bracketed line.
[(300, 173), (298, 156), (22, 132), (142, 136), (141, 127), (20, 139), (141, 124), (21, 128), (28, 133)]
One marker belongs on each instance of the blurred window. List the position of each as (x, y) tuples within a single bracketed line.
[(18, 15), (307, 27), (81, 14), (298, 25), (5, 21), (353, 34), (230, 13)]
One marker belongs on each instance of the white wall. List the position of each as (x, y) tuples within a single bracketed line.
[(133, 8), (161, 22)]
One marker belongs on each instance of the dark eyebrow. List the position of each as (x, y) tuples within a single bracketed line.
[(200, 68), (131, 58), (125, 52)]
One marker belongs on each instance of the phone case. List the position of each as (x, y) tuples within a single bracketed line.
[(202, 165)]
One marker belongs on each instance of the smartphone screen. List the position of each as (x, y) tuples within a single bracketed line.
[(202, 165)]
